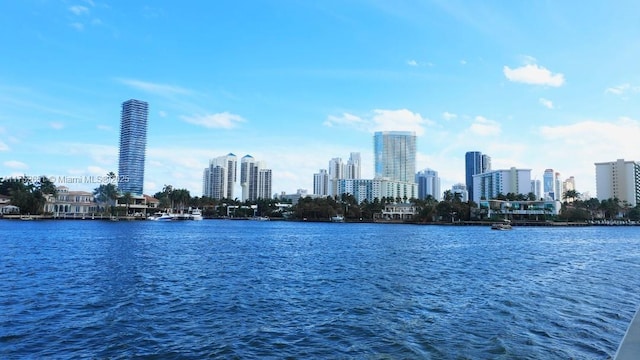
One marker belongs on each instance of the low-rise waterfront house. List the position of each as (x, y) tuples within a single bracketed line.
[(68, 203), (139, 205), (396, 213), (521, 210)]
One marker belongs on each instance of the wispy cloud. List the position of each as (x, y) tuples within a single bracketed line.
[(79, 10), (3, 146), (546, 103), (484, 127), (223, 120), (622, 89), (104, 127), (155, 88), (382, 120), (412, 63), (14, 164), (534, 75), (449, 116)]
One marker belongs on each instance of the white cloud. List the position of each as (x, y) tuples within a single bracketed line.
[(463, 62), (79, 10), (398, 120), (382, 120), (223, 120), (162, 113), (412, 63), (155, 88), (56, 125), (344, 119), (533, 74), (449, 116), (104, 127), (546, 103), (622, 89), (484, 127), (13, 164), (3, 146)]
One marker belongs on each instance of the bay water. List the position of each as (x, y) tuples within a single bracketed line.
[(269, 289)]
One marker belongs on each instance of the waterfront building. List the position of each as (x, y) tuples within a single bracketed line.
[(460, 189), (133, 144), (370, 189), (219, 178), (255, 180), (69, 203), (618, 179), (489, 185), (475, 163), (321, 183), (521, 210), (338, 170), (395, 155), (428, 184)]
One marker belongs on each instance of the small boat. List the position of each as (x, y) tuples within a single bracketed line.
[(26, 217), (337, 218), (505, 225), (196, 214)]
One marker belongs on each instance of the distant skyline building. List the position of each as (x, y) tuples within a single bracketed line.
[(133, 145), (488, 185), (256, 181), (549, 185), (461, 190), (353, 169), (475, 163), (618, 179), (338, 170), (536, 189), (428, 184), (569, 185), (395, 156), (219, 178), (321, 183)]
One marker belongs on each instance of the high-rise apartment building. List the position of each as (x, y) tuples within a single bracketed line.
[(219, 178), (255, 181), (321, 183), (352, 169), (568, 185), (618, 179), (428, 184), (133, 145), (475, 163), (395, 155), (536, 187), (549, 185), (489, 185), (338, 170)]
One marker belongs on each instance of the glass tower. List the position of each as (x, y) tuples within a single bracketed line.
[(395, 155), (133, 144), (475, 163)]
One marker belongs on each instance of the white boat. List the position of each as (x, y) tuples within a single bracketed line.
[(162, 217), (505, 225), (196, 214), (337, 218)]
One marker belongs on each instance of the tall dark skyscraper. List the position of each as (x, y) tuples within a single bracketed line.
[(475, 163), (133, 145)]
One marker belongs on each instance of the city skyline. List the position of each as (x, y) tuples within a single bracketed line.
[(296, 84)]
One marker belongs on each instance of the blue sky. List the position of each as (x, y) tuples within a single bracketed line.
[(533, 84)]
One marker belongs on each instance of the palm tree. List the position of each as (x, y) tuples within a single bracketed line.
[(127, 197)]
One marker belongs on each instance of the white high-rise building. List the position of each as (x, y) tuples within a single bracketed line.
[(490, 184), (568, 185), (255, 180), (428, 184), (219, 178), (352, 169), (336, 172), (321, 183), (536, 186), (618, 179)]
